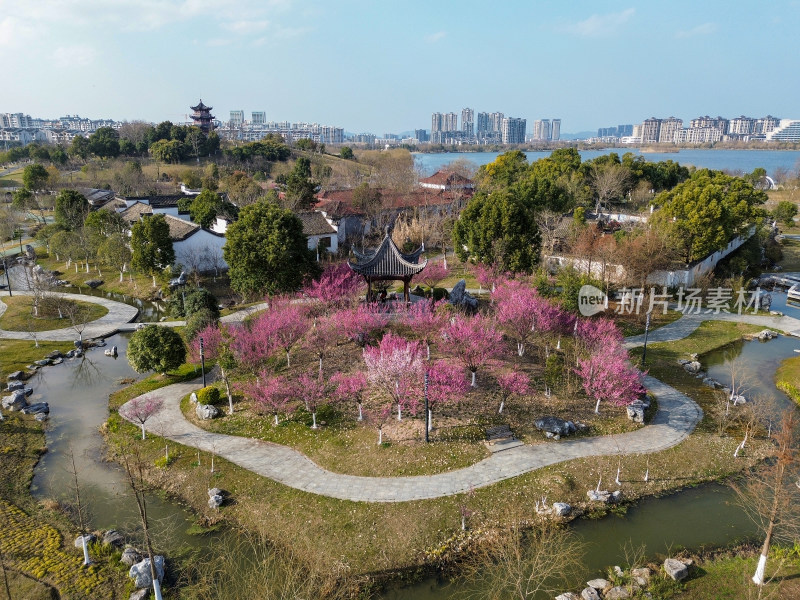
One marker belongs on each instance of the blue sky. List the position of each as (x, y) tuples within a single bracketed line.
[(386, 66)]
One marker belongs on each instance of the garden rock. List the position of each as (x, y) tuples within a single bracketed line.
[(36, 408), (16, 401), (641, 575), (17, 375), (567, 596), (130, 556), (617, 593), (590, 593), (41, 417), (42, 363), (206, 411), (193, 398), (111, 351), (30, 253), (598, 584), (140, 594), (57, 361), (766, 335), (16, 385), (114, 538), (90, 537), (54, 355), (216, 497), (635, 411), (693, 367), (555, 426), (561, 509), (675, 569), (95, 283), (140, 572), (461, 298)]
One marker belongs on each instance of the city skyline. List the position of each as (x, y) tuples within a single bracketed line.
[(590, 63)]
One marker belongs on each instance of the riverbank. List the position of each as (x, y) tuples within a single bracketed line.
[(787, 378), (395, 540)]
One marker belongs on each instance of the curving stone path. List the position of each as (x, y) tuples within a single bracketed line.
[(108, 324)]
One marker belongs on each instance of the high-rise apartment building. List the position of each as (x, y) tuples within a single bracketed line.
[(16, 121), (451, 122), (555, 130), (437, 123), (650, 130), (513, 130), (541, 129), (624, 130), (483, 124), (666, 133), (766, 124), (237, 119), (421, 135), (468, 122), (710, 122), (259, 118), (496, 121)]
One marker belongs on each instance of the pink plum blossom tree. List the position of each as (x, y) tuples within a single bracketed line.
[(350, 387), (140, 409), (474, 341), (323, 337), (512, 383), (432, 274), (446, 385), (427, 321), (394, 367), (289, 325), (337, 287), (608, 376), (269, 394), (312, 391), (216, 346), (254, 342), (358, 323)]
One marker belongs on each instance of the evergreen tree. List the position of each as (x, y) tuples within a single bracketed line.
[(152, 246)]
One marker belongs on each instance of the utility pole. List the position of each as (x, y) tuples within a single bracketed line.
[(202, 362), (8, 280), (646, 331)]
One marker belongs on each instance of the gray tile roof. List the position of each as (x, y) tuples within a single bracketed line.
[(387, 261)]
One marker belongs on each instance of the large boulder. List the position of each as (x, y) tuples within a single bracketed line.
[(617, 593), (140, 594), (89, 537), (216, 497), (599, 583), (36, 408), (567, 596), (461, 298), (675, 569), (206, 411), (693, 367), (94, 283), (16, 385), (641, 576), (555, 426), (140, 572), (561, 509), (635, 411), (590, 593), (112, 537), (16, 401), (54, 355), (766, 335), (17, 375), (130, 556)]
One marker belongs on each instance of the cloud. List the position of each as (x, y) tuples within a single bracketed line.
[(435, 37), (217, 42), (78, 55), (13, 32), (599, 25), (246, 27), (704, 29)]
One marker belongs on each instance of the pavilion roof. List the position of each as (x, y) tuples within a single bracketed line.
[(388, 261), (201, 106)]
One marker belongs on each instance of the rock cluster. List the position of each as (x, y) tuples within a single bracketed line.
[(216, 497), (206, 411), (461, 298), (603, 589), (637, 408), (140, 572), (555, 427), (604, 496)]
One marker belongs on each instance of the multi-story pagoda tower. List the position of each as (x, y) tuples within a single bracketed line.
[(202, 117)]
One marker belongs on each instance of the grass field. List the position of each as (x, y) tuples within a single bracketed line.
[(19, 314)]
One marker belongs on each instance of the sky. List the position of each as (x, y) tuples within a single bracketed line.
[(385, 66)]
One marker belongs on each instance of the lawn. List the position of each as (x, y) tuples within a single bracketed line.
[(19, 314), (15, 355), (787, 377)]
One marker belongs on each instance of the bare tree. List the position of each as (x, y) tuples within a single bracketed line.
[(548, 221), (80, 509), (771, 495), (609, 182)]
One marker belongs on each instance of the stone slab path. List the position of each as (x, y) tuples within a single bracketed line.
[(676, 419)]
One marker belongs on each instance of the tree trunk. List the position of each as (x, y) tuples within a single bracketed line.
[(399, 412), (157, 588), (313, 420), (360, 412), (143, 434), (474, 384), (380, 436), (597, 407), (502, 404), (86, 560), (430, 420), (288, 360), (227, 390)]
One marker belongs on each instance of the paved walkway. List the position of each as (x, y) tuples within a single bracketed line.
[(676, 418), (108, 324)]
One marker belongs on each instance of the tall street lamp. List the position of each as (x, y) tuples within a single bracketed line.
[(202, 362)]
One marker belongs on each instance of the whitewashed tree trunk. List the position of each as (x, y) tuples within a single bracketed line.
[(313, 420), (617, 479), (87, 267), (430, 420), (428, 349), (154, 281), (758, 578), (399, 412), (558, 344), (463, 523), (76, 267), (646, 475), (474, 383), (502, 404), (157, 589), (380, 436), (86, 560), (520, 349), (360, 412), (597, 407), (276, 418), (143, 433), (288, 360)]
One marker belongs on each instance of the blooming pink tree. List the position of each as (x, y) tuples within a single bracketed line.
[(337, 287), (446, 385), (395, 368), (512, 383), (427, 321), (323, 337), (289, 325), (360, 322), (487, 275), (253, 343), (432, 274), (216, 346), (350, 387), (594, 333), (269, 394), (313, 391), (608, 376), (474, 341), (140, 409), (515, 312)]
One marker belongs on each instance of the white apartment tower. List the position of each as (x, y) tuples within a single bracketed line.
[(513, 130), (541, 129), (666, 133), (468, 122), (555, 130), (237, 118), (259, 118)]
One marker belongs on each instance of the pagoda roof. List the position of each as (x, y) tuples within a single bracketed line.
[(201, 106), (387, 261)]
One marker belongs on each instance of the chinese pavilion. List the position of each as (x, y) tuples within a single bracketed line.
[(387, 263), (202, 117)]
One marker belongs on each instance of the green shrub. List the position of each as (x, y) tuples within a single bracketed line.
[(198, 321), (208, 395), (440, 294)]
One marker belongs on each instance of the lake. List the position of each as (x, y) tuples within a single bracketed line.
[(733, 160)]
